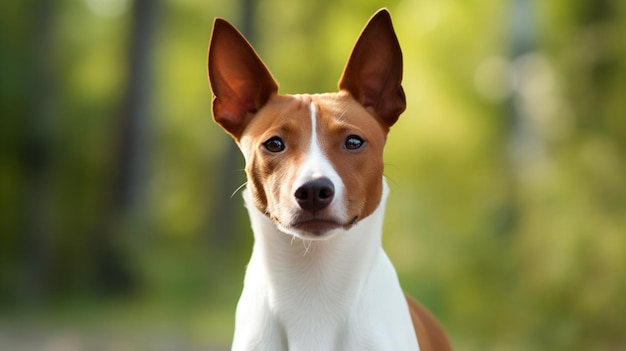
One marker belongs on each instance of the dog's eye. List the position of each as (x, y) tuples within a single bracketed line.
[(274, 145), (354, 142)]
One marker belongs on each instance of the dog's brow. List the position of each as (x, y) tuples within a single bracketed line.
[(341, 119), (282, 117)]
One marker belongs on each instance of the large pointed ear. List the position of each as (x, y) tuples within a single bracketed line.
[(240, 81), (373, 74)]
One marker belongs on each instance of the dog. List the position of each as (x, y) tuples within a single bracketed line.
[(318, 278)]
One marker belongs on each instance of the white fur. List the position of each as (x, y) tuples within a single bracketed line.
[(341, 293)]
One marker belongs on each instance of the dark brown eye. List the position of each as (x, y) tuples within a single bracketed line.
[(274, 145), (354, 142)]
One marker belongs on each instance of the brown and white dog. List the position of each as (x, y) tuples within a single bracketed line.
[(318, 278)]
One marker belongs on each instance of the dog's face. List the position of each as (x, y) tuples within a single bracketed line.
[(314, 162), (295, 140)]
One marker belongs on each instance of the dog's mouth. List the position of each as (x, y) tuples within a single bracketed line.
[(317, 227), (320, 226)]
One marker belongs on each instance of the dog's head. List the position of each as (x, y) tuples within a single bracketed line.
[(314, 162)]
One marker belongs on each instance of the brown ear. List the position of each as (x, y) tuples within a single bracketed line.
[(240, 81), (373, 74)]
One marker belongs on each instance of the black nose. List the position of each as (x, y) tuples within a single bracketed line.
[(315, 194)]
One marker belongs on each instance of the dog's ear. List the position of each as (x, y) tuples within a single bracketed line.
[(373, 74), (240, 81)]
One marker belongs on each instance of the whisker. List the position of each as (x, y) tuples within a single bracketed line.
[(239, 188), (307, 246)]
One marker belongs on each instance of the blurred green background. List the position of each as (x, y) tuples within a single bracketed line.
[(507, 216)]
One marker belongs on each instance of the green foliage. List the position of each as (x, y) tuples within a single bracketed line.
[(506, 216)]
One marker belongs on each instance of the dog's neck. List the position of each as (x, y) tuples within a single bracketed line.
[(313, 285)]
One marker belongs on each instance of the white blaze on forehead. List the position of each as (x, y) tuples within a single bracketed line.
[(317, 165)]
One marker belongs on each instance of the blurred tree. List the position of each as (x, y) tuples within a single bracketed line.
[(36, 155), (596, 20), (520, 139), (128, 202)]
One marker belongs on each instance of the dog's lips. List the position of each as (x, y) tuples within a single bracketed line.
[(319, 226)]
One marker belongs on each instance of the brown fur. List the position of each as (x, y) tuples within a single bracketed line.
[(430, 333)]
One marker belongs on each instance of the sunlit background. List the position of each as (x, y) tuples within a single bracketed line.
[(507, 216)]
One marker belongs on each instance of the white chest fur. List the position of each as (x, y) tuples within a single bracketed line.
[(337, 294)]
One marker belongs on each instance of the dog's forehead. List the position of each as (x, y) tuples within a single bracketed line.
[(301, 106), (293, 115), (333, 103), (337, 110)]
